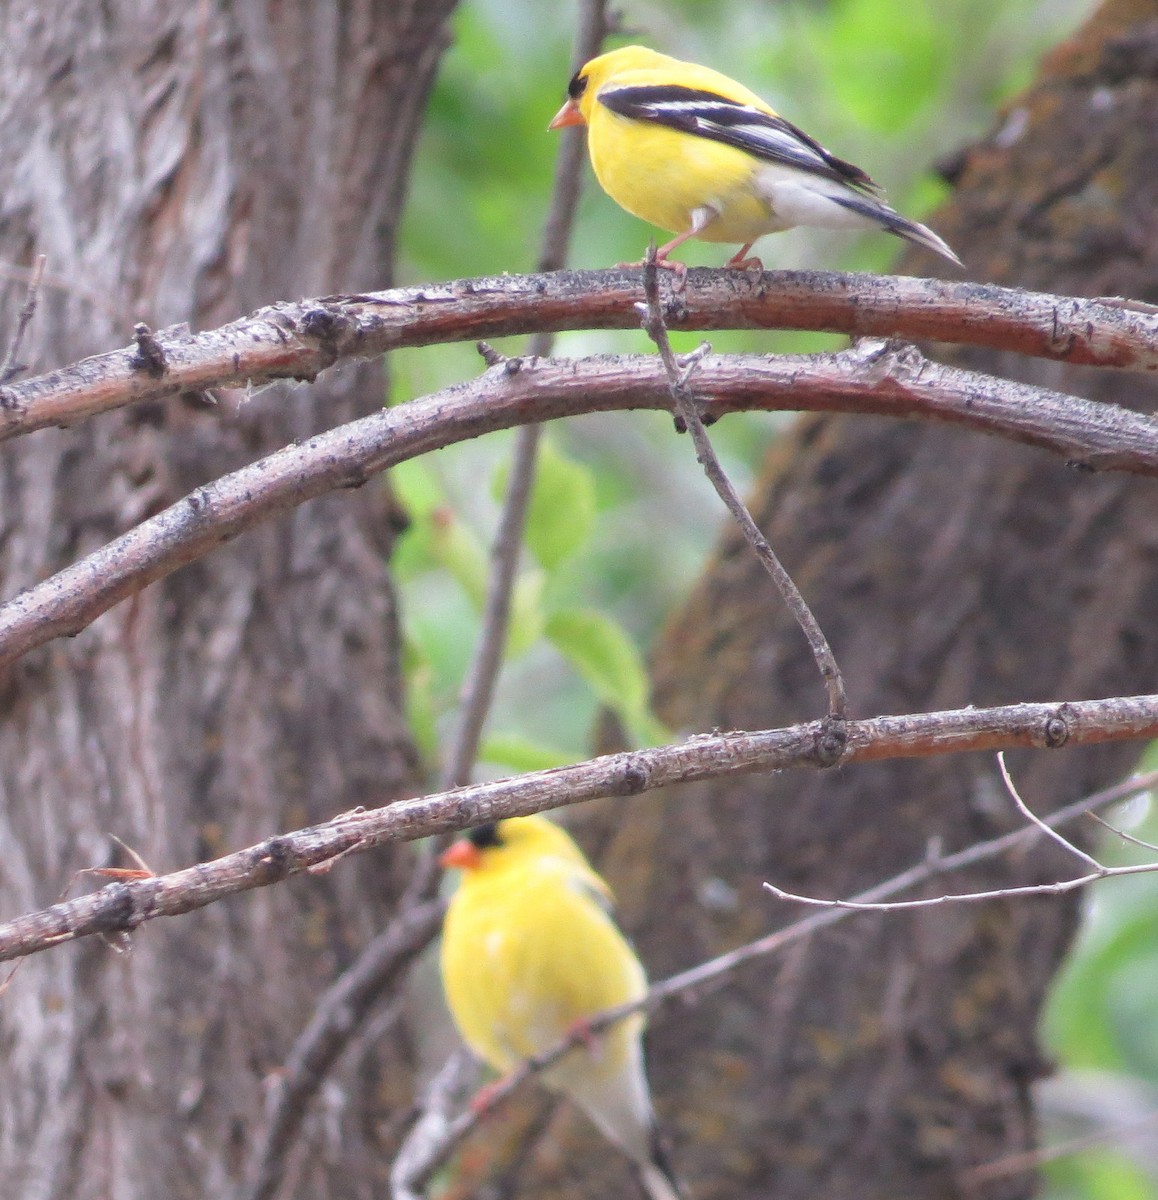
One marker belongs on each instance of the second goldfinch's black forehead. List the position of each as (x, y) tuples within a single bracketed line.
[(577, 86), (484, 836)]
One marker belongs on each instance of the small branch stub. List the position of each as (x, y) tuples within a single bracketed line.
[(149, 355), (1057, 730)]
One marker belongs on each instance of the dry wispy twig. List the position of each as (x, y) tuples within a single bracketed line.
[(344, 1007), (10, 367), (1045, 827)]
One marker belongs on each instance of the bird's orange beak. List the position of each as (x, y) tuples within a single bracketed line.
[(569, 114), (463, 854)]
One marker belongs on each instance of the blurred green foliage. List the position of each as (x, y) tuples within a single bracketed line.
[(622, 519)]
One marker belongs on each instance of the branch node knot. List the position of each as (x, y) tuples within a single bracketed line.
[(10, 401), (1056, 731), (831, 741), (634, 779), (326, 326), (149, 355)]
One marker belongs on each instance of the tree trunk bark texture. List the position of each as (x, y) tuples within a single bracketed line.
[(187, 162), (890, 1055)]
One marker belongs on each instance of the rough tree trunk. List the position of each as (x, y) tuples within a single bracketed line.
[(188, 162), (887, 1057)]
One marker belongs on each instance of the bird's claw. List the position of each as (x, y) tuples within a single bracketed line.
[(483, 1100), (581, 1033)]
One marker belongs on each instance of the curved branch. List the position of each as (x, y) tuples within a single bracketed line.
[(867, 378), (123, 907), (298, 341)]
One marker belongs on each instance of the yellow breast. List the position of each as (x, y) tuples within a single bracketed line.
[(528, 954)]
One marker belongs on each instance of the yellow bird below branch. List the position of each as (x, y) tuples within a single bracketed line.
[(696, 153), (529, 953)]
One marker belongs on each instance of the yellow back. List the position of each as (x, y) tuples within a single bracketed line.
[(637, 66)]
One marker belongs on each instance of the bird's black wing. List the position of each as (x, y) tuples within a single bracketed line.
[(710, 115)]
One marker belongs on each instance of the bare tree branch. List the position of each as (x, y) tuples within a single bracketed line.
[(340, 1011), (685, 405), (298, 341), (877, 379), (422, 1151), (10, 367), (1046, 826), (123, 907), (479, 685), (345, 1005), (1034, 819)]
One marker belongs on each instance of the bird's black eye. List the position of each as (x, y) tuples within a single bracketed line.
[(577, 86), (484, 836)]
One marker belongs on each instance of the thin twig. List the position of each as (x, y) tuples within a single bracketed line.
[(478, 687), (10, 368), (337, 1016), (686, 407), (1034, 819), (691, 984), (418, 1157), (1126, 837), (1046, 827), (1029, 1160)]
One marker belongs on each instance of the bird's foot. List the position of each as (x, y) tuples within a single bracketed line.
[(581, 1033), (483, 1100), (679, 270), (751, 263), (666, 264)]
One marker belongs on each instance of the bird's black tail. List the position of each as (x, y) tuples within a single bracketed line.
[(892, 222), (656, 1178)]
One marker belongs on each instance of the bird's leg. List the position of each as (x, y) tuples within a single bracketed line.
[(661, 260), (481, 1102), (580, 1031), (701, 219), (740, 260)]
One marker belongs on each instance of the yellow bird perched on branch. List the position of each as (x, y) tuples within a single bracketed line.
[(529, 954), (698, 154)]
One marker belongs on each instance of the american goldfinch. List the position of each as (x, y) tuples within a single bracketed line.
[(692, 151), (529, 952)]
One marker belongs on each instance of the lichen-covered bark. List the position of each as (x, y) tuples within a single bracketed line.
[(889, 1056), (187, 162)]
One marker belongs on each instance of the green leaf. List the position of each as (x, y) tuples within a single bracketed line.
[(1100, 1175), (527, 617), (1088, 1015), (516, 753), (561, 515), (462, 553), (606, 658)]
